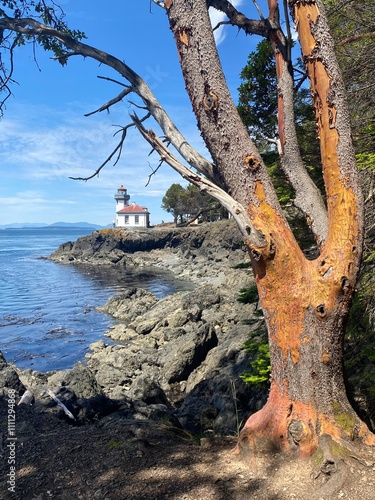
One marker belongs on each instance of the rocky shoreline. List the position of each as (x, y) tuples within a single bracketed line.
[(176, 360)]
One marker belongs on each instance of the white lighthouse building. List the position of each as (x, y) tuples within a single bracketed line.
[(130, 215)]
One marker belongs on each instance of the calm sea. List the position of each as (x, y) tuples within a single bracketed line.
[(47, 310)]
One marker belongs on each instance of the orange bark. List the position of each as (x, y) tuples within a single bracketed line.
[(291, 291), (289, 425), (280, 63), (305, 303)]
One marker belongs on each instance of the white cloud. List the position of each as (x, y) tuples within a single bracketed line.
[(38, 155), (217, 17)]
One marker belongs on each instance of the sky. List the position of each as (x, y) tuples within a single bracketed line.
[(45, 137)]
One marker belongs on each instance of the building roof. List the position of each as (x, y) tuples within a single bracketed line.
[(121, 188), (133, 208)]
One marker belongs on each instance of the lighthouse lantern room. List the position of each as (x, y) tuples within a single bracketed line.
[(122, 198)]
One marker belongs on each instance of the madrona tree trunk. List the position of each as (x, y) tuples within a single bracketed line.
[(305, 303)]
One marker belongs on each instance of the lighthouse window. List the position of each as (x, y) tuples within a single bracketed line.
[(126, 219), (136, 217)]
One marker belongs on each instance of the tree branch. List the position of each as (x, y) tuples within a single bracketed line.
[(32, 28), (250, 234), (344, 196), (113, 101), (307, 196), (354, 38), (158, 3), (118, 150), (4, 82), (236, 18), (258, 9)]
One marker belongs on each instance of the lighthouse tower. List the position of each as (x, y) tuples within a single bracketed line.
[(122, 198)]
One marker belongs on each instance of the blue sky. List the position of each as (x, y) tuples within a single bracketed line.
[(45, 138)]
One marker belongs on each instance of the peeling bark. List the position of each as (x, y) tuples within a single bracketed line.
[(307, 196), (306, 303)]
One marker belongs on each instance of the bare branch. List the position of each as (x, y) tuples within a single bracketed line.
[(258, 9), (251, 235), (112, 80), (159, 3), (4, 83), (221, 23), (32, 28), (113, 101), (300, 82), (118, 150), (288, 30), (153, 171), (137, 105)]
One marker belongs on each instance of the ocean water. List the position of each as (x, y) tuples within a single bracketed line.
[(47, 310)]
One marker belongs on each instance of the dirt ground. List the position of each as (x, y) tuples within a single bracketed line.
[(121, 459)]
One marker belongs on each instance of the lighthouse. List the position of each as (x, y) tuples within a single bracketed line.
[(130, 216)]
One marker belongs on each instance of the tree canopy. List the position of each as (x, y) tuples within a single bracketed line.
[(189, 202), (172, 201)]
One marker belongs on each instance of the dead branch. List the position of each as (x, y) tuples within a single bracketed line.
[(32, 28), (159, 3), (118, 150), (112, 102), (236, 18), (221, 23), (258, 9), (250, 234), (4, 82), (153, 171)]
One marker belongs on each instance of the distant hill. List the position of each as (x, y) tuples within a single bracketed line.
[(76, 224), (23, 225), (41, 225)]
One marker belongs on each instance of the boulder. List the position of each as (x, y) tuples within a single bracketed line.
[(181, 360), (9, 378), (82, 381), (129, 305)]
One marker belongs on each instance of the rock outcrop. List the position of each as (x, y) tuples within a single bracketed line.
[(205, 252), (177, 359)]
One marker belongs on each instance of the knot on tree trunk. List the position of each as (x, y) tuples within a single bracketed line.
[(297, 431)]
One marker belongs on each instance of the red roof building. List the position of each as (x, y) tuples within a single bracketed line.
[(132, 215)]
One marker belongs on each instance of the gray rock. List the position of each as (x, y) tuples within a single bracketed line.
[(129, 305), (82, 381), (186, 349), (181, 360), (9, 379), (146, 389)]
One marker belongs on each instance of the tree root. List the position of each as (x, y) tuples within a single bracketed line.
[(299, 429)]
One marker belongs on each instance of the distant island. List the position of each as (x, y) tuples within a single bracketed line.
[(41, 225)]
